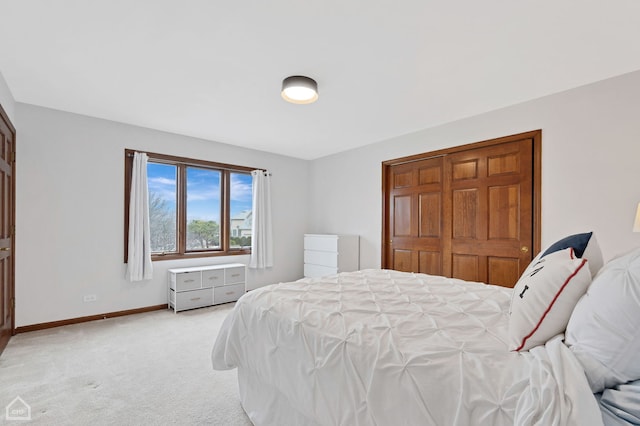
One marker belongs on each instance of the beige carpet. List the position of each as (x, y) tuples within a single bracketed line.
[(146, 369)]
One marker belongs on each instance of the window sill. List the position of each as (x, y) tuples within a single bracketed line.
[(175, 256)]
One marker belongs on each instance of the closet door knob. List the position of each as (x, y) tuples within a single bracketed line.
[(524, 249)]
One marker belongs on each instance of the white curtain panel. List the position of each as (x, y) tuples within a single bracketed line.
[(139, 266), (261, 233)]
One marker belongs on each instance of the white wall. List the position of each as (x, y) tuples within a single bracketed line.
[(590, 166), (69, 240), (6, 100), (70, 214)]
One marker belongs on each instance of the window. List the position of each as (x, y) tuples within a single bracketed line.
[(196, 208), (163, 212), (204, 208)]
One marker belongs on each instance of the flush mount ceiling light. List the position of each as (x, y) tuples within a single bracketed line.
[(298, 89)]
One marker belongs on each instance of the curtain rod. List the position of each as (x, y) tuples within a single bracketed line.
[(130, 155)]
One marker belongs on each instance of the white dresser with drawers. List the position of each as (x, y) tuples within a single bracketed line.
[(328, 254), (199, 286)]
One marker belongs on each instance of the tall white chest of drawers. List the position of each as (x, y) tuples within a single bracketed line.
[(195, 287), (327, 254)]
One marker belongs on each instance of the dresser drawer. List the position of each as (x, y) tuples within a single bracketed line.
[(323, 258), (188, 281), (234, 275), (311, 270), (321, 243), (213, 278), (228, 293), (192, 299)]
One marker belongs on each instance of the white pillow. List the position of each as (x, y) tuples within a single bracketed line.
[(544, 297), (604, 329)]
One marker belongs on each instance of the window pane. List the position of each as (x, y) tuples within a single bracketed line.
[(203, 209), (240, 207), (162, 206)]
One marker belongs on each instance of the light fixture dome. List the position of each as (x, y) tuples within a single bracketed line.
[(299, 89)]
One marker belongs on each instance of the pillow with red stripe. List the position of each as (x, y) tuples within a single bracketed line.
[(544, 298)]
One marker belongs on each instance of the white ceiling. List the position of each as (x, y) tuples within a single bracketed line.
[(213, 69)]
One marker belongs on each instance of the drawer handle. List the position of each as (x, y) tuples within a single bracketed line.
[(195, 298), (235, 275), (213, 278), (188, 281), (229, 293)]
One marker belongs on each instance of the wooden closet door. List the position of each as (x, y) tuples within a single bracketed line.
[(469, 212), (415, 216), (488, 201)]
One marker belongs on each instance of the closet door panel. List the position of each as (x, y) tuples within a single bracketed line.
[(466, 267), (403, 261), (465, 212), (491, 195), (502, 270), (430, 263), (403, 216), (504, 208), (430, 214)]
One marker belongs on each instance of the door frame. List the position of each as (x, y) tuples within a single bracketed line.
[(534, 135), (12, 223)]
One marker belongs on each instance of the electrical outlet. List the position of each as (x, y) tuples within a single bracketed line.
[(90, 298)]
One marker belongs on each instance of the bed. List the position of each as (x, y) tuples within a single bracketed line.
[(382, 347)]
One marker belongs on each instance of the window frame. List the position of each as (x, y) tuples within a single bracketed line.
[(181, 164)]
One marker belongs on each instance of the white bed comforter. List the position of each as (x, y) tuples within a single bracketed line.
[(380, 347)]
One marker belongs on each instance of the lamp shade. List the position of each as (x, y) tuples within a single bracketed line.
[(298, 89), (636, 222)]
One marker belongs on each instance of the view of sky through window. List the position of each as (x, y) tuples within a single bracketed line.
[(162, 181), (241, 193), (203, 194)]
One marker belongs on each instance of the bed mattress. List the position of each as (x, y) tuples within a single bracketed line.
[(379, 347)]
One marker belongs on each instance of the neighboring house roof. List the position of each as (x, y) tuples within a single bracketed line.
[(243, 215), (242, 220)]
